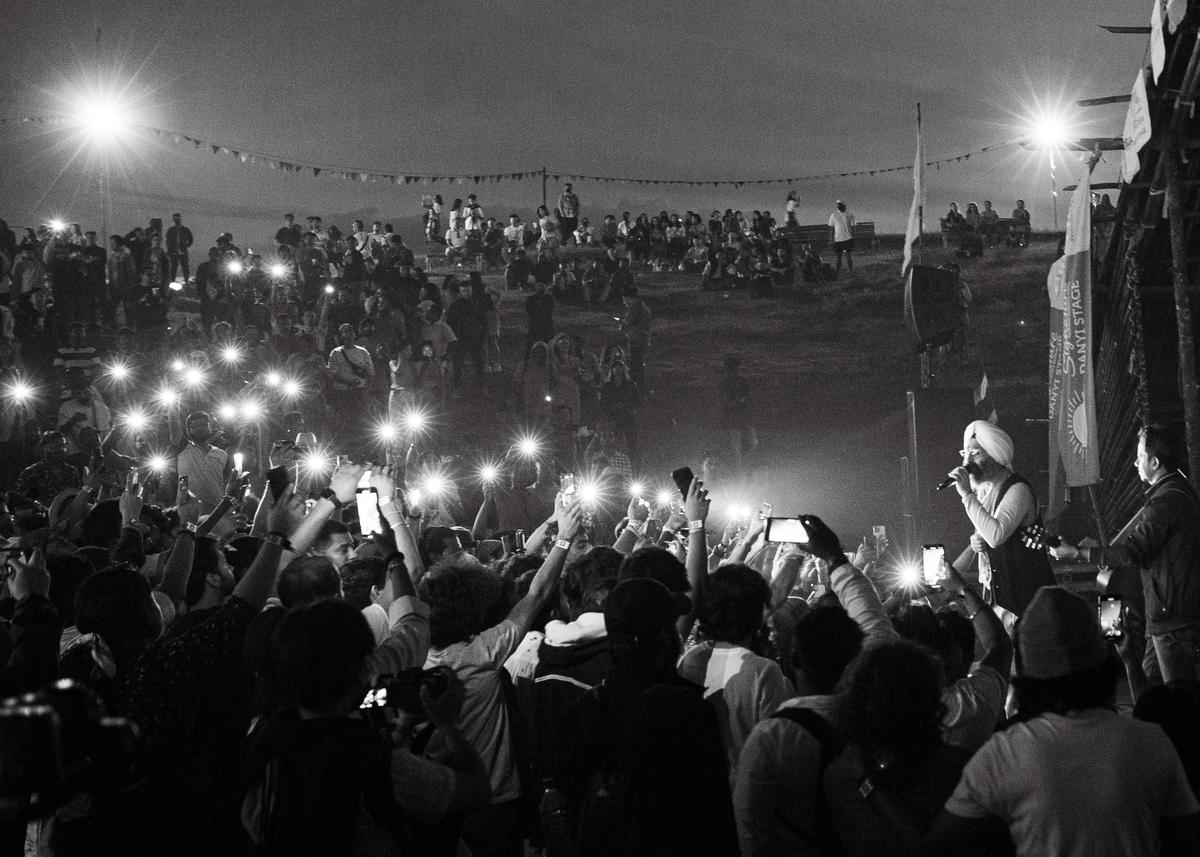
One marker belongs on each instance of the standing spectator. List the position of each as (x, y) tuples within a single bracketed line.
[(1071, 776), (647, 737), (43, 479), (28, 272), (636, 327), (465, 315), (35, 323), (734, 393), (289, 233), (568, 214), (92, 265), (1019, 236), (122, 278), (350, 369), (620, 401), (514, 235), (83, 409), (841, 232), (742, 687), (790, 208), (539, 307), (76, 357), (202, 464), (179, 239), (156, 269)]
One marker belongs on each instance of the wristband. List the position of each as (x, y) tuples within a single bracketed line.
[(696, 526), (331, 496), (189, 527), (279, 539), (394, 558), (638, 527), (565, 544)]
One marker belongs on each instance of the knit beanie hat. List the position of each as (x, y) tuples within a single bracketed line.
[(1058, 634)]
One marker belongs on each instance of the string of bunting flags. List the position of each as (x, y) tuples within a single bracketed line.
[(248, 156)]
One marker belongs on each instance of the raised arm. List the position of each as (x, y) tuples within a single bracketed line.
[(546, 579), (850, 585), (392, 509), (997, 647), (258, 582), (695, 508)]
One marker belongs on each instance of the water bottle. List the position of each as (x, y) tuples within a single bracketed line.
[(556, 833)]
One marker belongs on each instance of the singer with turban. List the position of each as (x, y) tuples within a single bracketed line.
[(1000, 505)]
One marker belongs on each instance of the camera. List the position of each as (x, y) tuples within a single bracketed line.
[(403, 691), (57, 743)]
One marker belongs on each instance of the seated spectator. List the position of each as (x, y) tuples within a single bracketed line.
[(988, 219), (456, 241), (1071, 776), (1018, 235), (585, 234), (970, 245)]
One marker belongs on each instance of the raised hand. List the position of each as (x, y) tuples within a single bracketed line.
[(695, 505)]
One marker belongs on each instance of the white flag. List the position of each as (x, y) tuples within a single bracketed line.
[(1137, 127), (913, 232), (1158, 46)]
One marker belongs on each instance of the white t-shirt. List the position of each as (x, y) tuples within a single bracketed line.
[(843, 225), (973, 706), (514, 234), (1087, 784)]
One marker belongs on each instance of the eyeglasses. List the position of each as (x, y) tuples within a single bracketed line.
[(970, 453)]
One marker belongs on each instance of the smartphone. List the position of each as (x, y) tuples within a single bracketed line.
[(278, 479), (567, 484), (654, 528), (1109, 610), (764, 511), (683, 478), (369, 523), (786, 530), (879, 536), (931, 563), (519, 541)]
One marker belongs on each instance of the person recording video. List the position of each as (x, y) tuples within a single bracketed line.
[(999, 504)]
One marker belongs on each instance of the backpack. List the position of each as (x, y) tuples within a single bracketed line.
[(824, 837)]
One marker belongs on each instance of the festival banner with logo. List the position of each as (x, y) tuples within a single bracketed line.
[(1074, 439)]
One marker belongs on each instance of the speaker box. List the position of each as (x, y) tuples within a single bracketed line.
[(932, 310), (936, 420)]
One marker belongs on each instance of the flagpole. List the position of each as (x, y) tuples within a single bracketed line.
[(920, 206)]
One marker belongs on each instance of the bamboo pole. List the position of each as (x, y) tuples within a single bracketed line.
[(1183, 312)]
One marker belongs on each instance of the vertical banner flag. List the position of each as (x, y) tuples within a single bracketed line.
[(913, 232), (1137, 127), (1158, 47), (1176, 12), (1074, 445)]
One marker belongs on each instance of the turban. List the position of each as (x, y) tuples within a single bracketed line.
[(994, 441)]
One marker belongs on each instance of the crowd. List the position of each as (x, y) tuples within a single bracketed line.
[(338, 640), (972, 230)]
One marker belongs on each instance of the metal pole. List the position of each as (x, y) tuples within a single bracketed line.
[(1183, 312), (1053, 191), (921, 201), (914, 468), (543, 184)]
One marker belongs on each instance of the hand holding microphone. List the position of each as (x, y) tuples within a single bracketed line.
[(959, 478)]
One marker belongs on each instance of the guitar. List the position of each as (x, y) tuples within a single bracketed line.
[(1034, 537)]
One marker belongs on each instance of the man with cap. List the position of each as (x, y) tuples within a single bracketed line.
[(1071, 776), (648, 775), (43, 479), (1000, 504), (1163, 540)]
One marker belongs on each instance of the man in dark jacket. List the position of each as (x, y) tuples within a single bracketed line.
[(1163, 540), (648, 775)]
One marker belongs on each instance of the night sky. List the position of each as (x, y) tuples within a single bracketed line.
[(681, 90)]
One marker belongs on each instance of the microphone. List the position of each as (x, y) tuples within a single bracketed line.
[(944, 484)]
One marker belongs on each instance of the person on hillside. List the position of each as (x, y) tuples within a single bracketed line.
[(1020, 229), (179, 239), (635, 324), (568, 214), (539, 309), (841, 236)]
